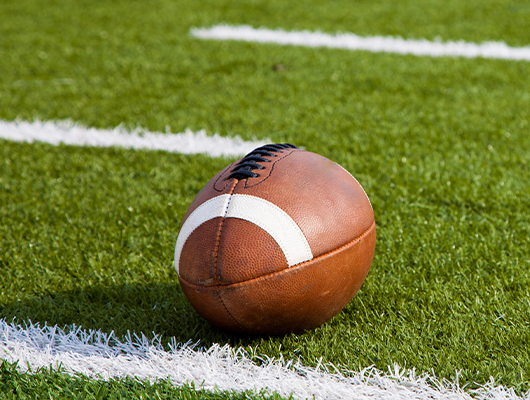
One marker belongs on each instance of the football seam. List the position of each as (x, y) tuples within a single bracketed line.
[(355, 179), (216, 254), (233, 284), (229, 313), (219, 234)]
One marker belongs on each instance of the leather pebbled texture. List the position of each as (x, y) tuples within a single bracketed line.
[(237, 277)]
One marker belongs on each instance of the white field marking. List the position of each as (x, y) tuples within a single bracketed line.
[(376, 44), (99, 355), (269, 217), (71, 133)]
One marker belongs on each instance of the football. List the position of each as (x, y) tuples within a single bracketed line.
[(277, 242)]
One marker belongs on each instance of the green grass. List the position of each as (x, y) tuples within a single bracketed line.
[(46, 384), (440, 145)]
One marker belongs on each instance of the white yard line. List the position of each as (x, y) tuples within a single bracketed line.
[(350, 41), (70, 133), (102, 356)]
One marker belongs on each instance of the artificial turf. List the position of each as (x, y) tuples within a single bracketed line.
[(52, 384), (439, 144)]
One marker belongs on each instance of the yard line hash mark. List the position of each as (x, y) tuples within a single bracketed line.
[(70, 133), (376, 44), (100, 355)]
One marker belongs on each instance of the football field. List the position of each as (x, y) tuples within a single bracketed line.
[(114, 114)]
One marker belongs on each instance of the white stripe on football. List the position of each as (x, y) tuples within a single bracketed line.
[(269, 217)]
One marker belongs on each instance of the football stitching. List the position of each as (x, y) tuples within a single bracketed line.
[(217, 286), (270, 172)]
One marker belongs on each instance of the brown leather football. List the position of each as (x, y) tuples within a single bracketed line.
[(277, 242)]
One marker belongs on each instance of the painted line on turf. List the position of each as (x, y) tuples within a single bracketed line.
[(99, 355), (376, 44), (71, 133)]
